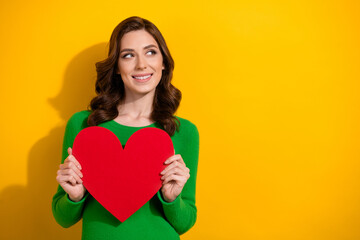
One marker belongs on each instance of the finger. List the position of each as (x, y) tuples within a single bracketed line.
[(178, 179), (69, 150), (181, 160), (67, 179), (172, 158), (59, 173), (75, 175), (71, 172), (176, 171), (171, 166), (71, 179), (166, 188), (71, 158), (69, 164), (76, 170), (175, 164)]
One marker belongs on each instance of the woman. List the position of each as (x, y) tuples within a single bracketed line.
[(134, 91)]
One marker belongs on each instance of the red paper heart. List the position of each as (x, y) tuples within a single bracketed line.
[(122, 180)]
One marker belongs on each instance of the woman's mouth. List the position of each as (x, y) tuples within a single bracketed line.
[(142, 77)]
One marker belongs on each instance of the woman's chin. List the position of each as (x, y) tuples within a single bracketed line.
[(141, 90)]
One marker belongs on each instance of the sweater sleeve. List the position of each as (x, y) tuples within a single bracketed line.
[(65, 211), (182, 212)]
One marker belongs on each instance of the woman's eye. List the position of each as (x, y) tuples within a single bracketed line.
[(152, 52), (128, 55)]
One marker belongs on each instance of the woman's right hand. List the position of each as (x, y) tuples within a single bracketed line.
[(69, 177)]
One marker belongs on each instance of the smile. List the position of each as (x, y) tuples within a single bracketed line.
[(142, 77)]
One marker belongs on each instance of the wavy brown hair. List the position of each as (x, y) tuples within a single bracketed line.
[(110, 87)]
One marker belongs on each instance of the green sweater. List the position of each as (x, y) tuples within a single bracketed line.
[(157, 219)]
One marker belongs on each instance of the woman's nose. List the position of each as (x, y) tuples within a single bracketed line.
[(141, 63)]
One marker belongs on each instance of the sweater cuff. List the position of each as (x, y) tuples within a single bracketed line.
[(79, 202), (176, 201)]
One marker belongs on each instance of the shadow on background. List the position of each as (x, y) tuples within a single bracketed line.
[(26, 211)]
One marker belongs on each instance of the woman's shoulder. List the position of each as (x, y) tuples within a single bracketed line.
[(80, 115), (185, 121), (187, 126), (79, 119)]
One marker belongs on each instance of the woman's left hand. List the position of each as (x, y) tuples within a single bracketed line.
[(175, 175)]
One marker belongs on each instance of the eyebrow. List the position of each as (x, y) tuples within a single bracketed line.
[(132, 50)]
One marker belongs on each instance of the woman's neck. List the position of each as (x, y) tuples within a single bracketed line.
[(136, 107)]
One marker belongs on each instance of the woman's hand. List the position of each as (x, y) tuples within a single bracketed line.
[(69, 178), (175, 175)]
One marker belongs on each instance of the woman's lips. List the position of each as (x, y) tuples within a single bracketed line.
[(142, 77)]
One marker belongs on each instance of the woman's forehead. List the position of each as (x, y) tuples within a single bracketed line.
[(137, 39)]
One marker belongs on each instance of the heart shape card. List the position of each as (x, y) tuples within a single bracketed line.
[(122, 180)]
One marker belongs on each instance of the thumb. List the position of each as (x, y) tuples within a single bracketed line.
[(69, 151)]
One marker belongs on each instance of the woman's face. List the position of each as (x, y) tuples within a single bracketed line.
[(140, 62)]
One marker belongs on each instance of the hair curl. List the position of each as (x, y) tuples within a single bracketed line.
[(110, 87)]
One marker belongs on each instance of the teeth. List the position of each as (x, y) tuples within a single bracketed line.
[(142, 78)]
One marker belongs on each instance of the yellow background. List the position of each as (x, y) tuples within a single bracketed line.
[(273, 87)]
